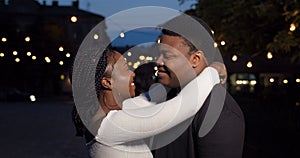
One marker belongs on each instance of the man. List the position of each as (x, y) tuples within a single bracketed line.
[(217, 130)]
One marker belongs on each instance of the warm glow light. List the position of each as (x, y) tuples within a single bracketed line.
[(212, 31), (129, 54), (149, 58), (15, 53), (29, 54), (61, 48), (122, 34), (62, 77), (271, 80), (223, 43), (4, 39), (292, 27), (47, 59), (27, 39), (68, 55), (155, 68), (96, 36), (61, 63), (249, 64), (32, 98), (17, 60), (33, 57), (215, 44), (129, 63), (74, 19), (269, 55), (285, 81), (298, 80), (142, 57), (252, 82), (234, 58), (1, 54), (244, 82)]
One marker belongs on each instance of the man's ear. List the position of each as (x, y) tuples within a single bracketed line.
[(106, 82), (196, 58)]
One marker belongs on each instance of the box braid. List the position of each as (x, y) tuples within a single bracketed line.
[(101, 70)]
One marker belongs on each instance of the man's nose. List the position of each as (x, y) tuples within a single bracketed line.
[(160, 61)]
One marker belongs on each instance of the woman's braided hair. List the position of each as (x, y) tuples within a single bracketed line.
[(102, 69)]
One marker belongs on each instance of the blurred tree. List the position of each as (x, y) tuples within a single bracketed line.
[(253, 26)]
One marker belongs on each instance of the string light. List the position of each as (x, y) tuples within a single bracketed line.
[(129, 54), (223, 43), (129, 63), (74, 19), (62, 77), (298, 80), (33, 57), (215, 44), (285, 81), (212, 31), (271, 80), (1, 54), (68, 55), (27, 39), (292, 27), (96, 36), (249, 64), (234, 58), (142, 57), (61, 48), (47, 59), (29, 54), (4, 39), (15, 53), (269, 55), (122, 34), (61, 63), (17, 60)]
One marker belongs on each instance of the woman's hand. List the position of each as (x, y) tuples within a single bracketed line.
[(221, 68)]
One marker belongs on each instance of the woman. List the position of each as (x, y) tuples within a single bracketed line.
[(113, 85)]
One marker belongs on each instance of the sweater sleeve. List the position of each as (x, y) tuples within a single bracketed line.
[(121, 126)]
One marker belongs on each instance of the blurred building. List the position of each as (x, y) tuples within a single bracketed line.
[(39, 42)]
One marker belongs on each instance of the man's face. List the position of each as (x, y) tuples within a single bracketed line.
[(174, 68)]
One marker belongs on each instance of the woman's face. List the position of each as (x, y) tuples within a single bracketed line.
[(122, 78)]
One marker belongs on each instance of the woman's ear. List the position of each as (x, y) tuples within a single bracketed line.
[(196, 58), (106, 82)]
